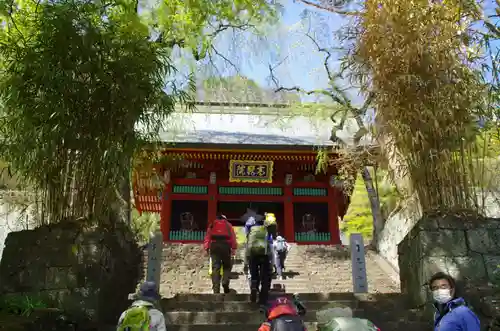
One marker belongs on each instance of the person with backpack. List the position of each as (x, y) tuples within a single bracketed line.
[(220, 243), (284, 315), (259, 256), (281, 248), (452, 313), (143, 314), (248, 219)]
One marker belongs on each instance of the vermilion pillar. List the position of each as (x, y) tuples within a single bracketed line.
[(288, 211), (166, 210), (333, 224), (212, 201)]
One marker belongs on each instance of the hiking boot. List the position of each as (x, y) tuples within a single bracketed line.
[(226, 289), (216, 290), (253, 296)]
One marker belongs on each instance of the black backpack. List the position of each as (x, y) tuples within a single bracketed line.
[(287, 323)]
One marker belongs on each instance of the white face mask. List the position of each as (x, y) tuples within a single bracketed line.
[(442, 295)]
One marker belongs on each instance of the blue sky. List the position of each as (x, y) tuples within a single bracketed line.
[(304, 64), (253, 54)]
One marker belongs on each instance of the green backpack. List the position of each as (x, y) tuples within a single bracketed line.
[(136, 319), (257, 240)]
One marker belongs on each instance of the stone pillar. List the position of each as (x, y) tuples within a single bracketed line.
[(155, 249), (358, 262)]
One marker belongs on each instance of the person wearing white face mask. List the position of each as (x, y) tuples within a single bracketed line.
[(452, 313)]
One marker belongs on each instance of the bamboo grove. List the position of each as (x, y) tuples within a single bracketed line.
[(422, 61), (84, 84)]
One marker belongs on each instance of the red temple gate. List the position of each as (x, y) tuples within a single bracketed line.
[(307, 205)]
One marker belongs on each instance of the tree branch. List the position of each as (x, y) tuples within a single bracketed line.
[(223, 27), (330, 9), (339, 97), (224, 58), (336, 93)]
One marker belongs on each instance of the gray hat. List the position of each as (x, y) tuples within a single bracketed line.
[(148, 292)]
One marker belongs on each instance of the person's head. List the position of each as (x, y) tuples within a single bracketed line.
[(280, 238), (148, 292), (443, 287), (221, 216)]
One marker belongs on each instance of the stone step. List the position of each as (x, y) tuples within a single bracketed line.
[(387, 325), (202, 318), (251, 316), (246, 291), (236, 306), (305, 297), (224, 327)]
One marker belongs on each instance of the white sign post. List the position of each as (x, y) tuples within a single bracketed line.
[(359, 280), (155, 249)]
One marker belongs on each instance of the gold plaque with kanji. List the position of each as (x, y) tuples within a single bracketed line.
[(251, 171)]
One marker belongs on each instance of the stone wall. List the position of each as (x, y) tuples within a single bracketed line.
[(87, 271), (401, 221), (468, 249)]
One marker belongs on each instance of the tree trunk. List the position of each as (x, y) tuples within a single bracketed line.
[(378, 220), (121, 208)]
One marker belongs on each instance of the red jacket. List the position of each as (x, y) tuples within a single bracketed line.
[(231, 240)]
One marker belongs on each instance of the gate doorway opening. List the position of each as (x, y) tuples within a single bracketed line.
[(234, 210)]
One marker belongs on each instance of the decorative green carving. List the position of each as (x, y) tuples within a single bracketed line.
[(238, 190), (187, 235), (190, 189), (310, 192), (306, 236)]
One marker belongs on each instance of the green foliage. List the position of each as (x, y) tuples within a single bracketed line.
[(22, 305), (488, 143), (83, 87), (193, 24), (358, 218), (143, 225), (74, 86)]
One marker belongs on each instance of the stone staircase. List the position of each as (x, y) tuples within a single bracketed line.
[(204, 312), (309, 269), (320, 274)]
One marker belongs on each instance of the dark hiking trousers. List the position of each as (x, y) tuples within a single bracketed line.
[(260, 272), (221, 258)]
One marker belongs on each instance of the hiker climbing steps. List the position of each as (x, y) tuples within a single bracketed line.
[(320, 274)]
